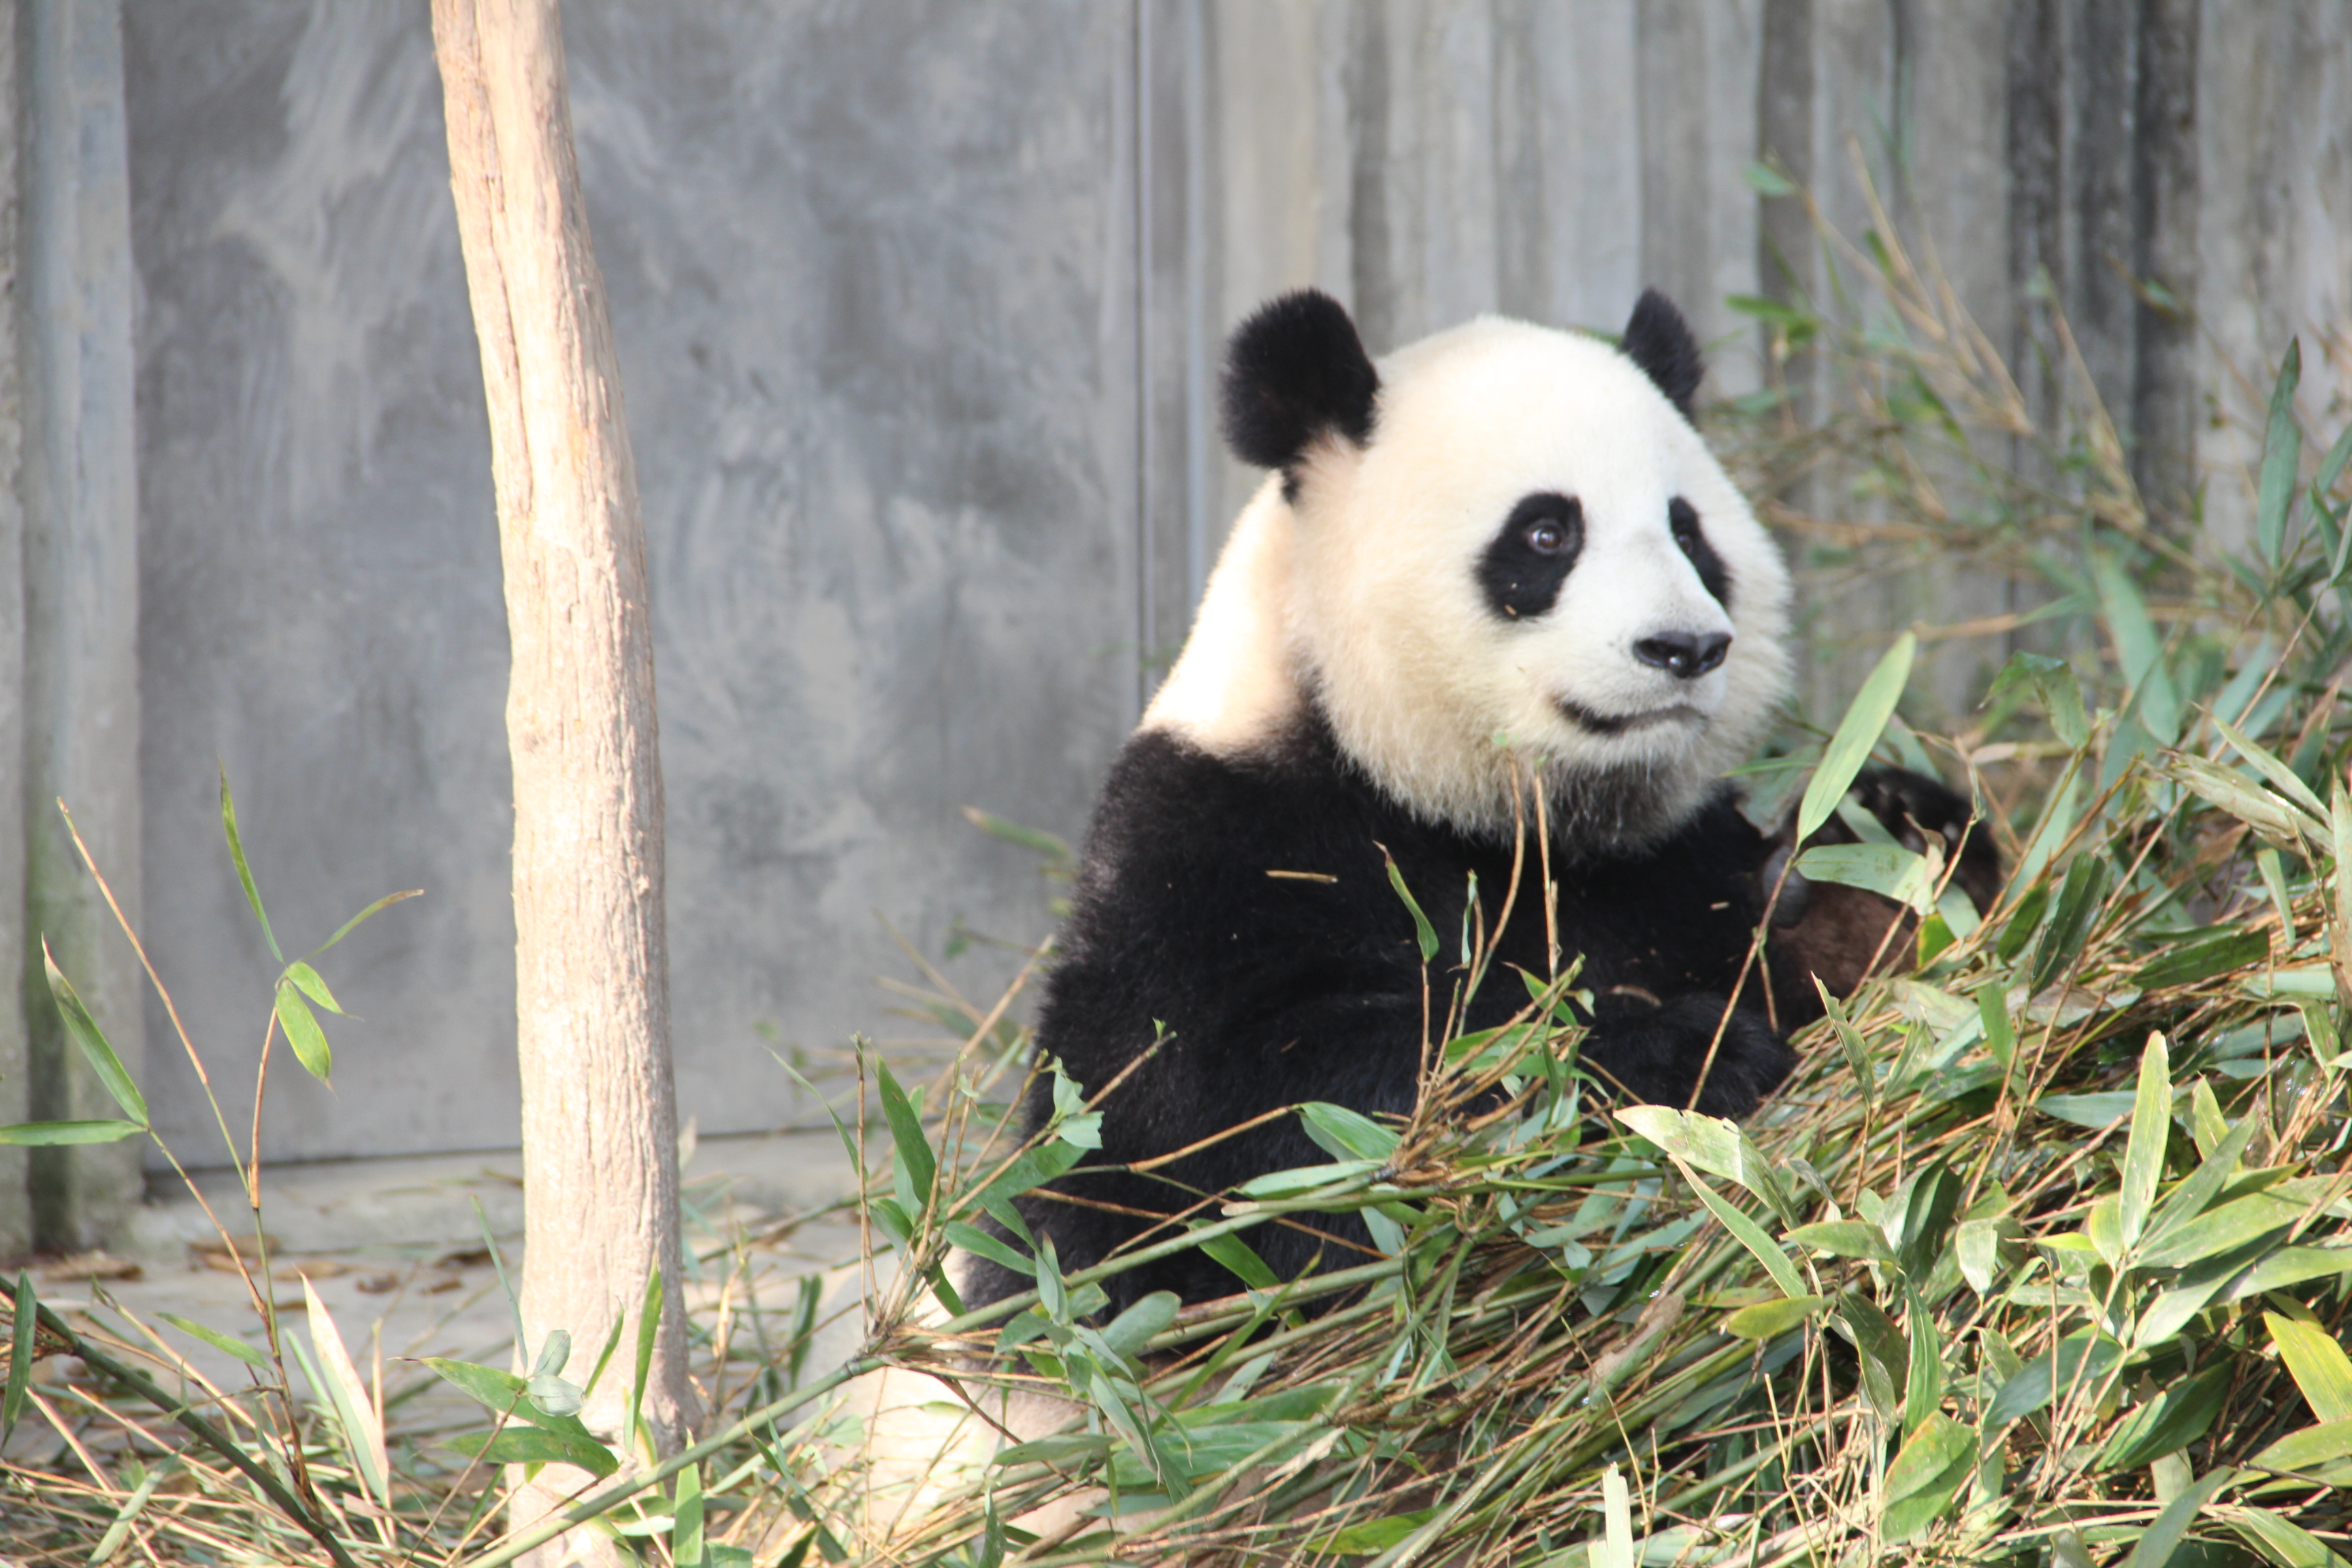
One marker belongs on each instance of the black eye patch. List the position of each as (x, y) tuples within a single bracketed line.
[(1530, 558), (1681, 519)]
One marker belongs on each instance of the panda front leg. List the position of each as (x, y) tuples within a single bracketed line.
[(1686, 1052)]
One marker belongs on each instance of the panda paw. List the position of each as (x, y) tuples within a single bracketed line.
[(1912, 806), (1655, 1055)]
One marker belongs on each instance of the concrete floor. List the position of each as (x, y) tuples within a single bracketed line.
[(395, 1249)]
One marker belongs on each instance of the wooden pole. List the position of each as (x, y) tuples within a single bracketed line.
[(592, 1000)]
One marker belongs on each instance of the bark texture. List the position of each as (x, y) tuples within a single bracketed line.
[(599, 1113)]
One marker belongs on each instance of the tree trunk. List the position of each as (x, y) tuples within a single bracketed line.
[(592, 972)]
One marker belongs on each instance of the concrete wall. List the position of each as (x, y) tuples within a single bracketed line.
[(918, 308)]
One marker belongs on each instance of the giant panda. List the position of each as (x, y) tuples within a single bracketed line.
[(1502, 554)]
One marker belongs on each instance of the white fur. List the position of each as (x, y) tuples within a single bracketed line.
[(1365, 592)]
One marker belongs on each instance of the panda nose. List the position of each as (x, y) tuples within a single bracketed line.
[(1682, 655)]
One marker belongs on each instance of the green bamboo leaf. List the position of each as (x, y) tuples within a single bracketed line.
[(2238, 1223), (2084, 889), (2316, 1363), (2309, 1449), (1030, 1169), (2284, 779), (91, 1041), (2151, 1130), (119, 1531), (1849, 1041), (218, 1341), (914, 1156), (1888, 869), (2138, 648), (312, 985), (2292, 1266), (649, 1313), (1373, 1535), (1134, 1328), (2283, 1542), (1923, 1389), (1857, 735), (2155, 1547), (980, 1243), (353, 923), (685, 1512), (2193, 962), (537, 1446), (243, 870), (1927, 1474), (1845, 1238), (1345, 1133), (1306, 1178), (2169, 1422), (1749, 1235), (2081, 1361), (2257, 807), (303, 1032), (51, 1134), (1423, 932), (23, 1333), (1771, 1320), (1716, 1146), (1241, 1260), (2282, 454), (2189, 1199), (356, 1412)]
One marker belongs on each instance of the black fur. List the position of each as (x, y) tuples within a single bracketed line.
[(1682, 519), (1281, 989), (1531, 556), (1297, 371), (1659, 341)]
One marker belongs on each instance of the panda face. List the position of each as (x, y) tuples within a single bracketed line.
[(1526, 566)]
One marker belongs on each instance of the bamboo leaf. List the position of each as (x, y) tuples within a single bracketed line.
[(1771, 1320), (374, 908), (1857, 736), (2080, 1362), (537, 1446), (52, 1134), (91, 1041), (1616, 1520), (1845, 1238), (2168, 1423), (649, 1313), (2151, 1130), (914, 1156), (313, 986), (1241, 1260), (2283, 779), (243, 870), (2308, 1449), (1749, 1235), (1715, 1146), (303, 1032), (1925, 1475), (2155, 1547), (2316, 1363), (1423, 932), (1348, 1135), (218, 1341), (2281, 1541), (23, 1332), (2282, 454), (363, 1427), (980, 1243)]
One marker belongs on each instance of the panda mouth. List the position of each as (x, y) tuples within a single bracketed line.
[(1625, 723)]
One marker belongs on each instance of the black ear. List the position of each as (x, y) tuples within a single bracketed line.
[(1295, 370), (1659, 341)]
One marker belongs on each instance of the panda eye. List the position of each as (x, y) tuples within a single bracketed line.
[(1547, 537)]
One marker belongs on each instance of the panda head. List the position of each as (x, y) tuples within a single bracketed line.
[(1503, 552)]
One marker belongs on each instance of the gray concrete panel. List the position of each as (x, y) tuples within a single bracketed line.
[(877, 380)]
